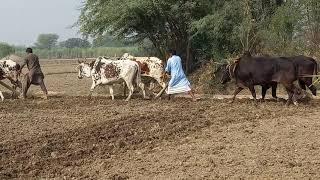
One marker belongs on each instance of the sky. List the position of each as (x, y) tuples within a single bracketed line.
[(21, 21)]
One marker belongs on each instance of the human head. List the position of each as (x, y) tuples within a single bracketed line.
[(29, 50), (171, 52)]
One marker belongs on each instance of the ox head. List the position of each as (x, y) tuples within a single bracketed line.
[(84, 69), (224, 71), (11, 71)]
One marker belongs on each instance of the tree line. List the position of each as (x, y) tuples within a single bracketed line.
[(203, 29), (48, 46)]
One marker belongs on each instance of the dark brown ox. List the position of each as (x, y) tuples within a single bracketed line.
[(249, 71), (306, 68)]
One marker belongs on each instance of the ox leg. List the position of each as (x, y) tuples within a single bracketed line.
[(290, 91), (253, 93), (264, 91), (274, 90), (1, 95), (111, 92), (124, 89), (302, 84), (313, 89), (93, 86), (142, 87), (131, 89), (236, 92), (310, 85)]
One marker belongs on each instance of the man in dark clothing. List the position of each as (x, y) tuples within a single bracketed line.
[(34, 76)]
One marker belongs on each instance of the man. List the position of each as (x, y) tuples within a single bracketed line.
[(34, 76), (178, 82)]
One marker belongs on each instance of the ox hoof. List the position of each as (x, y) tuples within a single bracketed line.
[(230, 102), (147, 98), (288, 104), (296, 103)]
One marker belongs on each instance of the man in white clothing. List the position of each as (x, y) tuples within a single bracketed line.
[(178, 82)]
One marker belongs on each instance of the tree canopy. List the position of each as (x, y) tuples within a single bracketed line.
[(204, 29), (5, 50), (75, 43), (47, 41)]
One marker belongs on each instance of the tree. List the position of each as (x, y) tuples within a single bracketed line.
[(165, 23), (205, 29), (108, 40), (311, 17), (6, 50), (75, 43), (46, 41)]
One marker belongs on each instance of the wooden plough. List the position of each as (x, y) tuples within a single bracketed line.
[(14, 92), (317, 81)]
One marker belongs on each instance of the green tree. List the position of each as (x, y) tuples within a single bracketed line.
[(165, 23), (46, 41), (202, 29), (5, 50), (75, 43), (311, 23), (108, 40)]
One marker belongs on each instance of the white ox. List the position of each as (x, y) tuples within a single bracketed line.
[(9, 70), (151, 67), (108, 72)]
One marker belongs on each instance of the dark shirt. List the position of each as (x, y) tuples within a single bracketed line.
[(35, 73), (32, 62)]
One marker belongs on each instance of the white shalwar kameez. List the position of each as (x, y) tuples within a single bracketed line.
[(178, 82)]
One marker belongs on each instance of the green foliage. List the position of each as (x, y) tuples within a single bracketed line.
[(75, 43), (107, 40), (5, 50), (46, 41), (281, 35), (68, 53), (165, 23)]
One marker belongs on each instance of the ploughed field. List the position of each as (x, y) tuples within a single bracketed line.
[(72, 136)]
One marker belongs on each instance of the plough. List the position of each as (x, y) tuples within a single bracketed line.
[(317, 81), (14, 92)]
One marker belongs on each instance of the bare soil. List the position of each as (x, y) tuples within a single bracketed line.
[(71, 136)]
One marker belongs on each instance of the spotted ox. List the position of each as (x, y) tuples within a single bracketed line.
[(151, 67), (9, 70), (108, 72)]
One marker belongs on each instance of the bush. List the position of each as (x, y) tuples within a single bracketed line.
[(5, 50)]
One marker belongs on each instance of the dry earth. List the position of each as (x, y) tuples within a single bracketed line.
[(71, 136)]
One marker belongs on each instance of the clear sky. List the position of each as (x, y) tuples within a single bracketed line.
[(21, 21)]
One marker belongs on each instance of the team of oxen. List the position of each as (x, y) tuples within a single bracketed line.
[(144, 72), (268, 71), (133, 71), (247, 71)]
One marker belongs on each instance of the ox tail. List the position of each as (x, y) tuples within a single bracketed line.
[(315, 72), (138, 76), (316, 68)]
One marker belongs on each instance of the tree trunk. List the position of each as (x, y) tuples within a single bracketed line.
[(188, 56)]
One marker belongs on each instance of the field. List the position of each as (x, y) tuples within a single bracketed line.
[(71, 136)]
